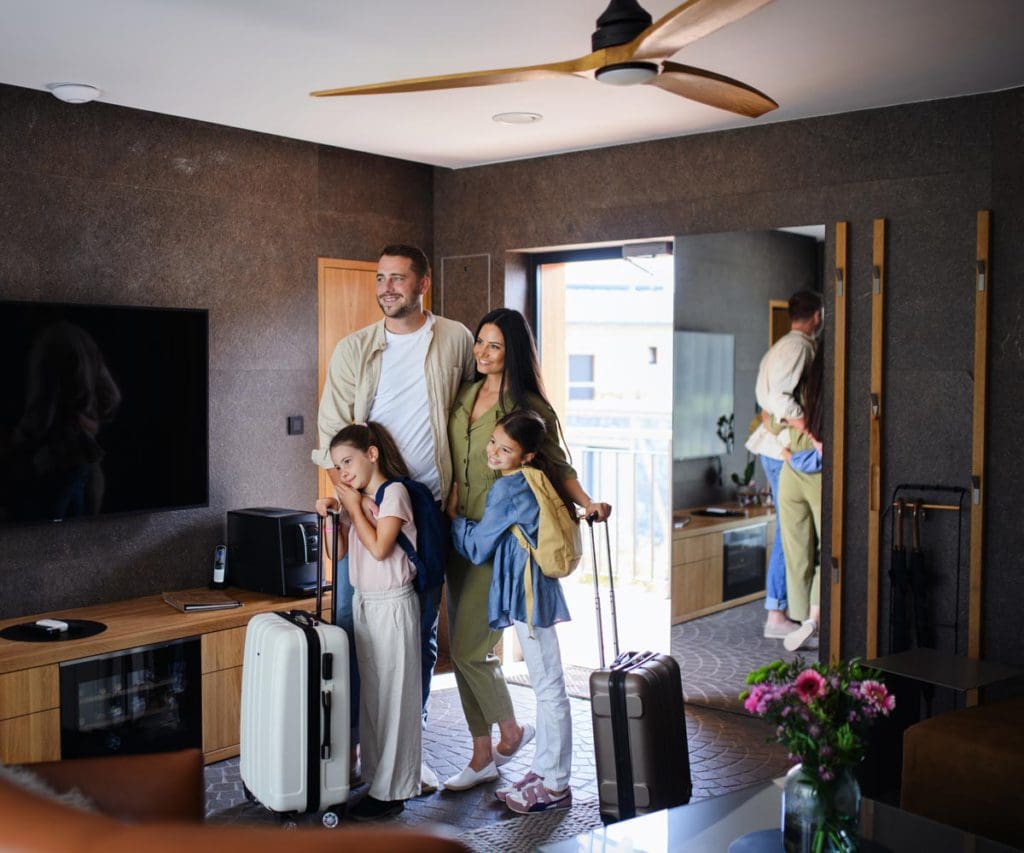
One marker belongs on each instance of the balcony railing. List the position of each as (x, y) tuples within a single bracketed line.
[(638, 485)]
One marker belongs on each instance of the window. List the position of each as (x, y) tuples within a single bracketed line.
[(581, 377)]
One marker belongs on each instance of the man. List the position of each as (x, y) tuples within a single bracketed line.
[(778, 378), (404, 372)]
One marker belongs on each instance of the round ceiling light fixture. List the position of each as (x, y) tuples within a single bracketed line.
[(74, 93), (517, 118), (627, 73)]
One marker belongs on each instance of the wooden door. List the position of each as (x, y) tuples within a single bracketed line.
[(347, 302)]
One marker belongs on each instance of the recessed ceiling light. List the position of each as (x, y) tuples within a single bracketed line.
[(517, 118), (74, 93)]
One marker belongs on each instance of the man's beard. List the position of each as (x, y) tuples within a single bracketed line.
[(400, 309)]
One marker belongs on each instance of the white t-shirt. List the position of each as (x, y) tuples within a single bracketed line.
[(402, 406), (368, 574)]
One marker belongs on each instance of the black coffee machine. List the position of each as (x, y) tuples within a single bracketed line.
[(273, 550)]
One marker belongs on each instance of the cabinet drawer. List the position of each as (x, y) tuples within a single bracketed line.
[(222, 705), (28, 690), (223, 649), (696, 548), (696, 585), (32, 737)]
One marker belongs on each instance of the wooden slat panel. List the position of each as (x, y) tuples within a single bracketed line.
[(838, 440), (982, 286), (222, 704), (29, 690), (223, 649), (875, 441), (32, 737)]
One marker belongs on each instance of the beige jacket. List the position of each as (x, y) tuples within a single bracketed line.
[(354, 374)]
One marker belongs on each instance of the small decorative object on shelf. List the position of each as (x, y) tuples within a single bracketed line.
[(822, 716)]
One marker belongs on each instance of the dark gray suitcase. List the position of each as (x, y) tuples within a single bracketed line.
[(643, 761)]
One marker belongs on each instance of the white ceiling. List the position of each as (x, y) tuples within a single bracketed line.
[(252, 63)]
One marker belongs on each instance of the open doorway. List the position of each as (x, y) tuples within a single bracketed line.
[(605, 337), (728, 290)]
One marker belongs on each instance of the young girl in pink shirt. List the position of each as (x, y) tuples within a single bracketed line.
[(386, 615)]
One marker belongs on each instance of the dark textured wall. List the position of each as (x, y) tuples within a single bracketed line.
[(926, 168), (110, 205), (723, 284)]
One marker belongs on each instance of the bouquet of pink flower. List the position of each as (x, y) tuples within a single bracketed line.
[(821, 713)]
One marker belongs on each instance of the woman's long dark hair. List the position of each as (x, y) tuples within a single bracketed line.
[(372, 434), (521, 376), (527, 429), (812, 393)]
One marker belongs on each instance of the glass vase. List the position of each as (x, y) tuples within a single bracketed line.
[(819, 816)]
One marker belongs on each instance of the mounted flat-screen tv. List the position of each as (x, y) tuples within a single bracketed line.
[(702, 392), (103, 410)]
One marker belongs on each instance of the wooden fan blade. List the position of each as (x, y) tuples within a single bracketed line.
[(687, 23), (713, 89), (583, 66)]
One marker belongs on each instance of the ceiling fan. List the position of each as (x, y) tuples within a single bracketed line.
[(627, 49)]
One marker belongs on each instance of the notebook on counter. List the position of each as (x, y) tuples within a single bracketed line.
[(203, 599)]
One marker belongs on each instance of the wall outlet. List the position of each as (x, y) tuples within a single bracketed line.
[(295, 425)]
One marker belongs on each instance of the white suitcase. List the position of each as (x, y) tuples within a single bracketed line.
[(295, 713)]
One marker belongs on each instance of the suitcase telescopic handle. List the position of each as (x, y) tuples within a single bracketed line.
[(597, 590), (611, 588)]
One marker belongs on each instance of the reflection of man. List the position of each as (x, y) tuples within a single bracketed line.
[(403, 372), (778, 376), (55, 458)]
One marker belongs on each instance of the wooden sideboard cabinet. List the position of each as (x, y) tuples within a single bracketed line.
[(698, 565), (30, 672)]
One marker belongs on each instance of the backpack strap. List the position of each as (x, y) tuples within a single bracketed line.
[(517, 531), (404, 543)]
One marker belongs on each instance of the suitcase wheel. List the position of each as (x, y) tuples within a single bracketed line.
[(330, 819), (287, 820), (248, 794)]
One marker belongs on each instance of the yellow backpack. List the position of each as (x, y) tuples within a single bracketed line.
[(559, 544)]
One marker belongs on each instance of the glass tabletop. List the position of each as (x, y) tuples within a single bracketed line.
[(710, 826)]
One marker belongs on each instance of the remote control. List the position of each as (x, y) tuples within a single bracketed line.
[(52, 625)]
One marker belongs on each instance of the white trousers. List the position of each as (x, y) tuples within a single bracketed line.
[(387, 632), (552, 759)]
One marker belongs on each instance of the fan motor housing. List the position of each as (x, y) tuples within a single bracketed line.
[(620, 23)]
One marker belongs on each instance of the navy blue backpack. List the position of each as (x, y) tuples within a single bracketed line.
[(431, 549)]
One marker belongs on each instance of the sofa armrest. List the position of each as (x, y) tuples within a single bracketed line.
[(159, 786)]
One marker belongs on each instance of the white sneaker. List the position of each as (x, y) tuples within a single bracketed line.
[(428, 781), (798, 638)]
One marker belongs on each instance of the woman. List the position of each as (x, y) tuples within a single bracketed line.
[(507, 378), (800, 511)]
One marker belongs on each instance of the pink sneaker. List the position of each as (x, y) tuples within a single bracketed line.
[(534, 797), (503, 792)]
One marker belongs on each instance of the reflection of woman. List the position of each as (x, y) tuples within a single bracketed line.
[(56, 455), (508, 378), (800, 510)]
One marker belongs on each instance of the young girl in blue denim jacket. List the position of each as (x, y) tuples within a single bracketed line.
[(516, 441)]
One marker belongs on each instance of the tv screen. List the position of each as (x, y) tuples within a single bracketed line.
[(104, 410), (702, 392)]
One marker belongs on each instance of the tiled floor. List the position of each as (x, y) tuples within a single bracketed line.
[(728, 750)]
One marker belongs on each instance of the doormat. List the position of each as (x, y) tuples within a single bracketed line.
[(577, 680), (524, 834)]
